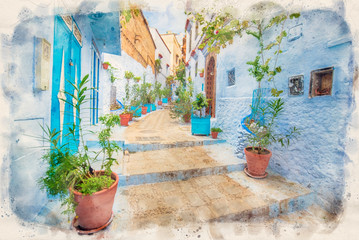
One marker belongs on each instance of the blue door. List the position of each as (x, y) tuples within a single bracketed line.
[(66, 69)]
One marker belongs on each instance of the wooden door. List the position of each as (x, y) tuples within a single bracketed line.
[(211, 86)]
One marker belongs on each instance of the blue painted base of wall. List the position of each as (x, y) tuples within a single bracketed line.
[(164, 100)]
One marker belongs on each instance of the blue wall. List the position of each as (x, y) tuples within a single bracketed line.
[(317, 158)]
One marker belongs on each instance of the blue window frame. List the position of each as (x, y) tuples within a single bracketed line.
[(95, 86)]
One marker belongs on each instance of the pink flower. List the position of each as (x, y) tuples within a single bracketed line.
[(216, 32)]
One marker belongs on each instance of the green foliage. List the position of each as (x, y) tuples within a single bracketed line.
[(167, 93), (266, 134), (158, 66), (200, 102), (110, 70), (183, 105), (146, 94), (95, 184), (69, 168), (137, 79), (219, 130), (157, 90), (129, 75), (181, 73)]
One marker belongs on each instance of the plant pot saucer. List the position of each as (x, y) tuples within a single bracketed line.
[(255, 176), (82, 231)]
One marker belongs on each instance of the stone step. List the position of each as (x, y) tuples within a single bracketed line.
[(156, 145), (223, 197), (177, 164)]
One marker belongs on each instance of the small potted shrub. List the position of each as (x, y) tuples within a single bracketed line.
[(201, 73), (70, 175), (182, 107), (215, 131), (137, 79), (125, 117), (105, 65), (129, 75)]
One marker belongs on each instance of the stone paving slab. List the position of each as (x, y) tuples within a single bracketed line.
[(205, 199)]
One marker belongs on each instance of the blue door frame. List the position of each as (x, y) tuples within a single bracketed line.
[(66, 69)]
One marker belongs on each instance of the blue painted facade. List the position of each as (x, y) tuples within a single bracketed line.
[(318, 39), (32, 108)]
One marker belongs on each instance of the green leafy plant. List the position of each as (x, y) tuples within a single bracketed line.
[(200, 103), (137, 79), (267, 132), (183, 105), (214, 129), (69, 166), (167, 93), (129, 75), (111, 69), (157, 90), (158, 66)]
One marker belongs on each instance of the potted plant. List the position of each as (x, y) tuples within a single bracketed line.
[(136, 102), (69, 173), (201, 73), (167, 94), (137, 79), (105, 65), (200, 122), (262, 133), (215, 131), (182, 107), (129, 75), (145, 97), (125, 117), (158, 92)]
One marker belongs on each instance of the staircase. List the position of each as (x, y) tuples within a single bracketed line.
[(181, 178)]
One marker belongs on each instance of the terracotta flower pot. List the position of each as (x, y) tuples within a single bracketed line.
[(187, 118), (131, 116), (125, 118), (214, 135), (257, 163), (159, 103), (144, 110), (105, 66), (94, 211), (201, 74)]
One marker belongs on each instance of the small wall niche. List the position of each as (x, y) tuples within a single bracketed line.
[(296, 85), (321, 82)]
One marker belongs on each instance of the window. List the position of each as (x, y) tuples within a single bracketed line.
[(177, 57), (296, 85), (321, 82), (231, 77)]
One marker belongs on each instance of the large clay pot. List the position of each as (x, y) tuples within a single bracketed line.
[(125, 118), (214, 135), (144, 110), (94, 211), (159, 103), (257, 163)]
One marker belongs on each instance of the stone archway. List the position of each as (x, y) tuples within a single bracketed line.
[(210, 83)]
